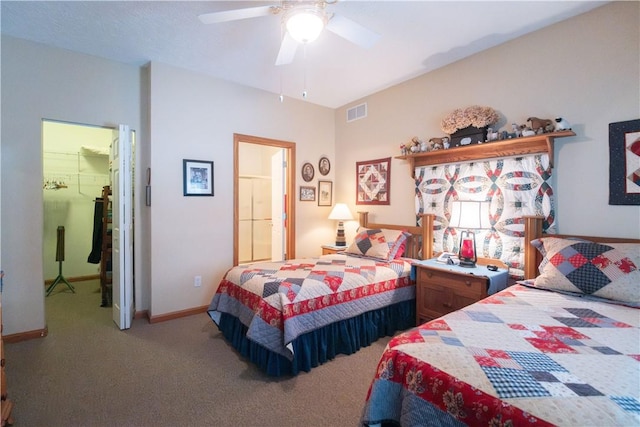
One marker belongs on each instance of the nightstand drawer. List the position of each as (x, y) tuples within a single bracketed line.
[(440, 291), (332, 249), (464, 284)]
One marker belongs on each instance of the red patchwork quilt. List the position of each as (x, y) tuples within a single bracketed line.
[(279, 301), (520, 357)]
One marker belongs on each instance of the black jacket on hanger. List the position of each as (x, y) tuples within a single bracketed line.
[(96, 247)]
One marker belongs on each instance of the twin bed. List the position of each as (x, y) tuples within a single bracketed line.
[(293, 315), (561, 347)]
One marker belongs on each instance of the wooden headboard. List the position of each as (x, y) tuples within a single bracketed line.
[(419, 245), (533, 230)]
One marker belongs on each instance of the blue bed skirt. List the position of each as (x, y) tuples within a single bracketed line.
[(316, 347)]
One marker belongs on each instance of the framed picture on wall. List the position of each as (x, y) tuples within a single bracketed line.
[(307, 172), (324, 166), (624, 163), (325, 193), (307, 194), (373, 182), (197, 177)]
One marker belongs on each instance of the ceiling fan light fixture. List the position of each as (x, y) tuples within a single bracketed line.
[(305, 24)]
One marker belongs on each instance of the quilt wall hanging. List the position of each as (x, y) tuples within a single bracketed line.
[(624, 163), (514, 187), (373, 182)]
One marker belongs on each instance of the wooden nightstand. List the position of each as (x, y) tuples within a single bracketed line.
[(332, 249), (442, 288)]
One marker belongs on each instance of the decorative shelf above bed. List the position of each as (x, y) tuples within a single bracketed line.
[(489, 150)]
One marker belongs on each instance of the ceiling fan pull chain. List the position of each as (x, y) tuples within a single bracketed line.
[(304, 71), (281, 97)]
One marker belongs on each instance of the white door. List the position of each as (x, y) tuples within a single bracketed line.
[(122, 247), (278, 189)]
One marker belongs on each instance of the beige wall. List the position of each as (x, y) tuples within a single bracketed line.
[(39, 82), (586, 69), (194, 117), (180, 115)]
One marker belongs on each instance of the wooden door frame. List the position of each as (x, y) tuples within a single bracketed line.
[(290, 203)]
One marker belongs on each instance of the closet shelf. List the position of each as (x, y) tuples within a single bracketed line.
[(489, 150)]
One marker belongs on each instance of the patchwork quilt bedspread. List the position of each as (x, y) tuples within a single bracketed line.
[(279, 301), (523, 356)]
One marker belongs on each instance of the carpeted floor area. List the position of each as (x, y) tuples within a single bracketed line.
[(86, 372)]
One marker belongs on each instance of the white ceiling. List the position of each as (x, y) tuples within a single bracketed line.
[(416, 37)]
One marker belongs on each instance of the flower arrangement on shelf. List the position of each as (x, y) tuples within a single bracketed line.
[(475, 115)]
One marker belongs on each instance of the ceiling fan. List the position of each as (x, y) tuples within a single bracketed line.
[(303, 21)]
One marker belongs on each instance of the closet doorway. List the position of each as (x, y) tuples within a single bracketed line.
[(264, 206), (76, 169)]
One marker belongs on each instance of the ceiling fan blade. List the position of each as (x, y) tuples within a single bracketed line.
[(352, 31), (287, 50), (236, 14)]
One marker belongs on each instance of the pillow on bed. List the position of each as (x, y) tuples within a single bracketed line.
[(378, 243), (605, 270), (399, 246)]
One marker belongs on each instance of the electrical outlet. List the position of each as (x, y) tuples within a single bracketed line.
[(197, 281)]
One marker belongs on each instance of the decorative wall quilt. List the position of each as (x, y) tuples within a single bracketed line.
[(523, 356), (515, 187), (373, 181), (624, 163)]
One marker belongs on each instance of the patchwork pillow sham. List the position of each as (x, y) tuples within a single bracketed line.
[(605, 270), (378, 243), (399, 246)]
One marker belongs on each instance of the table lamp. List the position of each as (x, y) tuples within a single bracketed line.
[(469, 215), (341, 213)]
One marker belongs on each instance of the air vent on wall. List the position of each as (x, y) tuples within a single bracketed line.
[(357, 112)]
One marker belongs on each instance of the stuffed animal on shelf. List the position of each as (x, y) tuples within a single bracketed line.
[(414, 145), (516, 130), (561, 124), (526, 131), (537, 123), (437, 143), (492, 135)]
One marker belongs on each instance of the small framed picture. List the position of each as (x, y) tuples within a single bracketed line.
[(307, 172), (197, 176), (307, 194), (325, 193), (324, 166)]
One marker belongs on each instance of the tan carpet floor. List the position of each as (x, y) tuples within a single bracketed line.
[(86, 372)]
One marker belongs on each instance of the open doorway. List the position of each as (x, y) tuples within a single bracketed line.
[(77, 168), (264, 208)]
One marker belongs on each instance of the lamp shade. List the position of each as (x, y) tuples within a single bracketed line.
[(305, 24), (340, 212), (470, 214)]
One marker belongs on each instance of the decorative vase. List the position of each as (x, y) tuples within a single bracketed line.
[(468, 135)]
